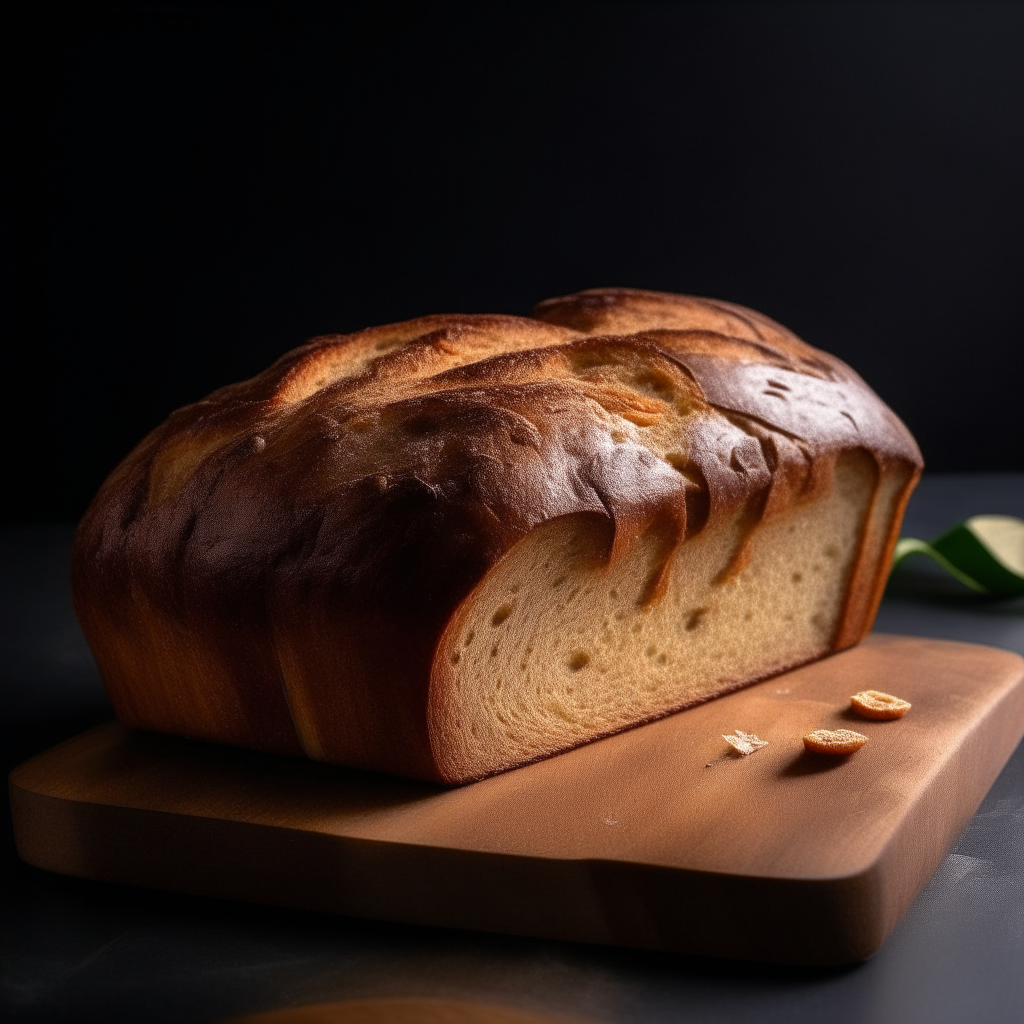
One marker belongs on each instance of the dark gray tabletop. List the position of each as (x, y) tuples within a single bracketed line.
[(86, 951)]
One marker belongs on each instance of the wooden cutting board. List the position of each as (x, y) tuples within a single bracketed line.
[(657, 837)]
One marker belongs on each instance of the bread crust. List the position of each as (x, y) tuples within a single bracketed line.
[(275, 565)]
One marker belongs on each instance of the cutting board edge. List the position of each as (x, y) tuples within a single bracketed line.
[(990, 745), (599, 898)]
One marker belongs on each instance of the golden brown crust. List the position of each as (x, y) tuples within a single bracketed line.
[(274, 565)]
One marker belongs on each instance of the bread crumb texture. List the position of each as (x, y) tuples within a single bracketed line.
[(745, 742), (453, 545), (834, 741), (878, 706)]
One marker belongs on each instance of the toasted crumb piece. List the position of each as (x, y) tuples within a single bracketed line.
[(834, 741), (745, 742), (878, 705)]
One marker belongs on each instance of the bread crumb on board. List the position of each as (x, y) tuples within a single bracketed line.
[(878, 706), (745, 742), (834, 741)]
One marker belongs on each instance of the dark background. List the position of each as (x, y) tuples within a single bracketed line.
[(196, 189)]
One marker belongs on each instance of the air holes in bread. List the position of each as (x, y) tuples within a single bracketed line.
[(694, 618)]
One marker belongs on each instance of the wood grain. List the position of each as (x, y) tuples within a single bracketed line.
[(657, 837)]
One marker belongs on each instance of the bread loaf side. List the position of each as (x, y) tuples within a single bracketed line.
[(450, 546)]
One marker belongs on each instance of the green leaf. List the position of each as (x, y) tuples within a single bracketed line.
[(985, 553)]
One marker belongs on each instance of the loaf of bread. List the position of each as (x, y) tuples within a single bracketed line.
[(450, 546)]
